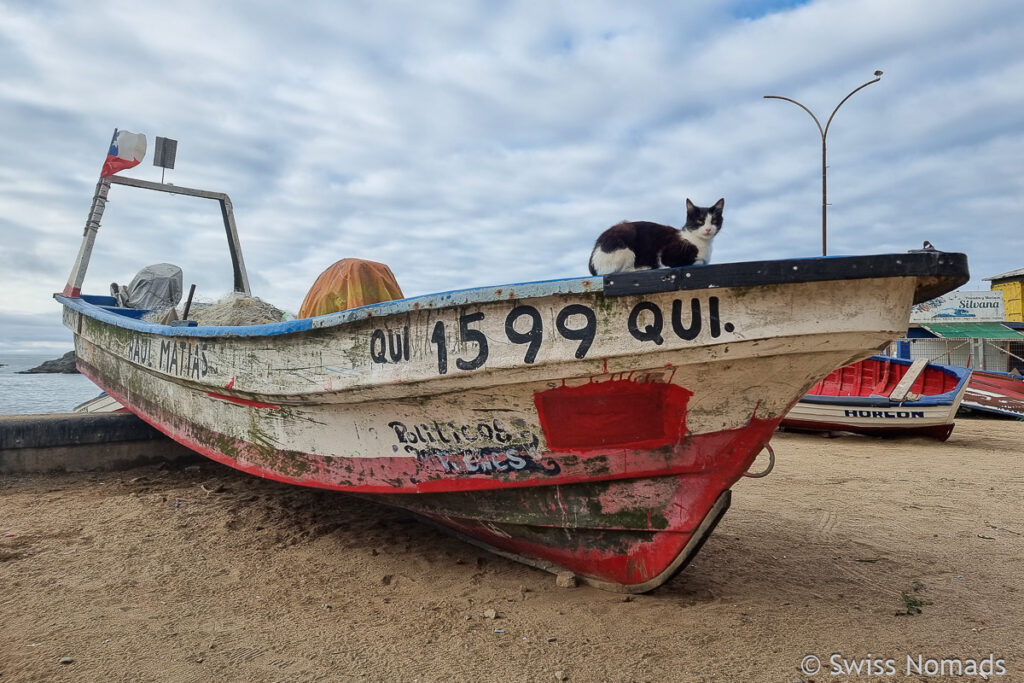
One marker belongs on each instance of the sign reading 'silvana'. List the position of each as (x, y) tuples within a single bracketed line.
[(972, 307)]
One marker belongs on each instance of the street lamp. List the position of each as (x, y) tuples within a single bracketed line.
[(824, 166)]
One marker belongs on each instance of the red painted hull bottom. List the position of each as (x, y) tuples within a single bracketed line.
[(625, 535), (940, 432), (621, 518), (611, 559)]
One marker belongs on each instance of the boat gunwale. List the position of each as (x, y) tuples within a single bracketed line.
[(1000, 374), (950, 267), (434, 301), (883, 401), (717, 276)]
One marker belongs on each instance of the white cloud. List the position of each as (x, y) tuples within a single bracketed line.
[(491, 142)]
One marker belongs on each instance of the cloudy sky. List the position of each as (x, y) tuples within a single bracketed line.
[(490, 142)]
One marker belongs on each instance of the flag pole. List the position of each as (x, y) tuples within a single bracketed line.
[(73, 287)]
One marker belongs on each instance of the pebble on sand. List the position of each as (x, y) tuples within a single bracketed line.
[(565, 580)]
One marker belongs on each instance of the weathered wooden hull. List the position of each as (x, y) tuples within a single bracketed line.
[(592, 425), (995, 393), (843, 405)]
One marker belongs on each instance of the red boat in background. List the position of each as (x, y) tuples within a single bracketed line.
[(883, 396), (995, 393)]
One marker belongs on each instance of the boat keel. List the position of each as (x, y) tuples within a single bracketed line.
[(473, 534)]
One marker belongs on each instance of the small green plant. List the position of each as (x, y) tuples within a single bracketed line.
[(913, 603)]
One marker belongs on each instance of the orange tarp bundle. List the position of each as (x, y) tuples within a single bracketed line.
[(350, 283)]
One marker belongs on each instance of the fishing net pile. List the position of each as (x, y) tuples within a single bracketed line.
[(233, 309), (237, 309)]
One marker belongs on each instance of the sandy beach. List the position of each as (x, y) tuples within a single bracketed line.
[(852, 548)]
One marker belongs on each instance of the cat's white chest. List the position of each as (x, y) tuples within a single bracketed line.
[(703, 252)]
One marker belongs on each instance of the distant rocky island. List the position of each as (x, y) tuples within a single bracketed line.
[(65, 364)]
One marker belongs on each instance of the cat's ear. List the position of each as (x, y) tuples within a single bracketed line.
[(719, 205), (690, 208)]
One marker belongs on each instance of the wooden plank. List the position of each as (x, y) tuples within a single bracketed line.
[(903, 388)]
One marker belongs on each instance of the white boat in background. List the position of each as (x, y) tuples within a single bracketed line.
[(103, 403), (883, 396)]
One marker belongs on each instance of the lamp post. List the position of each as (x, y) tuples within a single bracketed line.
[(824, 155)]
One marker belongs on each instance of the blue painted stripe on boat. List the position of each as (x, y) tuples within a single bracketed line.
[(99, 300), (103, 315), (881, 401), (459, 297)]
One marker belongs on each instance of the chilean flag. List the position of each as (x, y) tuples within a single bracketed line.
[(126, 150)]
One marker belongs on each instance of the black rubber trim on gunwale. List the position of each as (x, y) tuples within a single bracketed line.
[(941, 272)]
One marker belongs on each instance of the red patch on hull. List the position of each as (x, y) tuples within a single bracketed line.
[(243, 401), (618, 413)]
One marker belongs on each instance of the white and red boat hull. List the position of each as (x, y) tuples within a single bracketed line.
[(590, 425)]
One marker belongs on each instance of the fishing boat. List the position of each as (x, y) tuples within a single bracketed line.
[(883, 396), (589, 425), (998, 394), (100, 404)]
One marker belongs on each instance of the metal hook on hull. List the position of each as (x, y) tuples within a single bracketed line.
[(768, 470)]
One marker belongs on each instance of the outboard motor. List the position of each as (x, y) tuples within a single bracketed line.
[(155, 287)]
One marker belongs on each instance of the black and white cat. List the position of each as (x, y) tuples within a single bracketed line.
[(640, 245)]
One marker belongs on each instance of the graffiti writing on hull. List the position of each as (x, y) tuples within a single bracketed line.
[(182, 358), (489, 461), (473, 448)]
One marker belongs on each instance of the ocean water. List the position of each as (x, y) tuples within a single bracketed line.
[(44, 393)]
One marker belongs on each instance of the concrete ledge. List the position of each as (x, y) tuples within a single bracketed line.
[(83, 442), (71, 429)]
